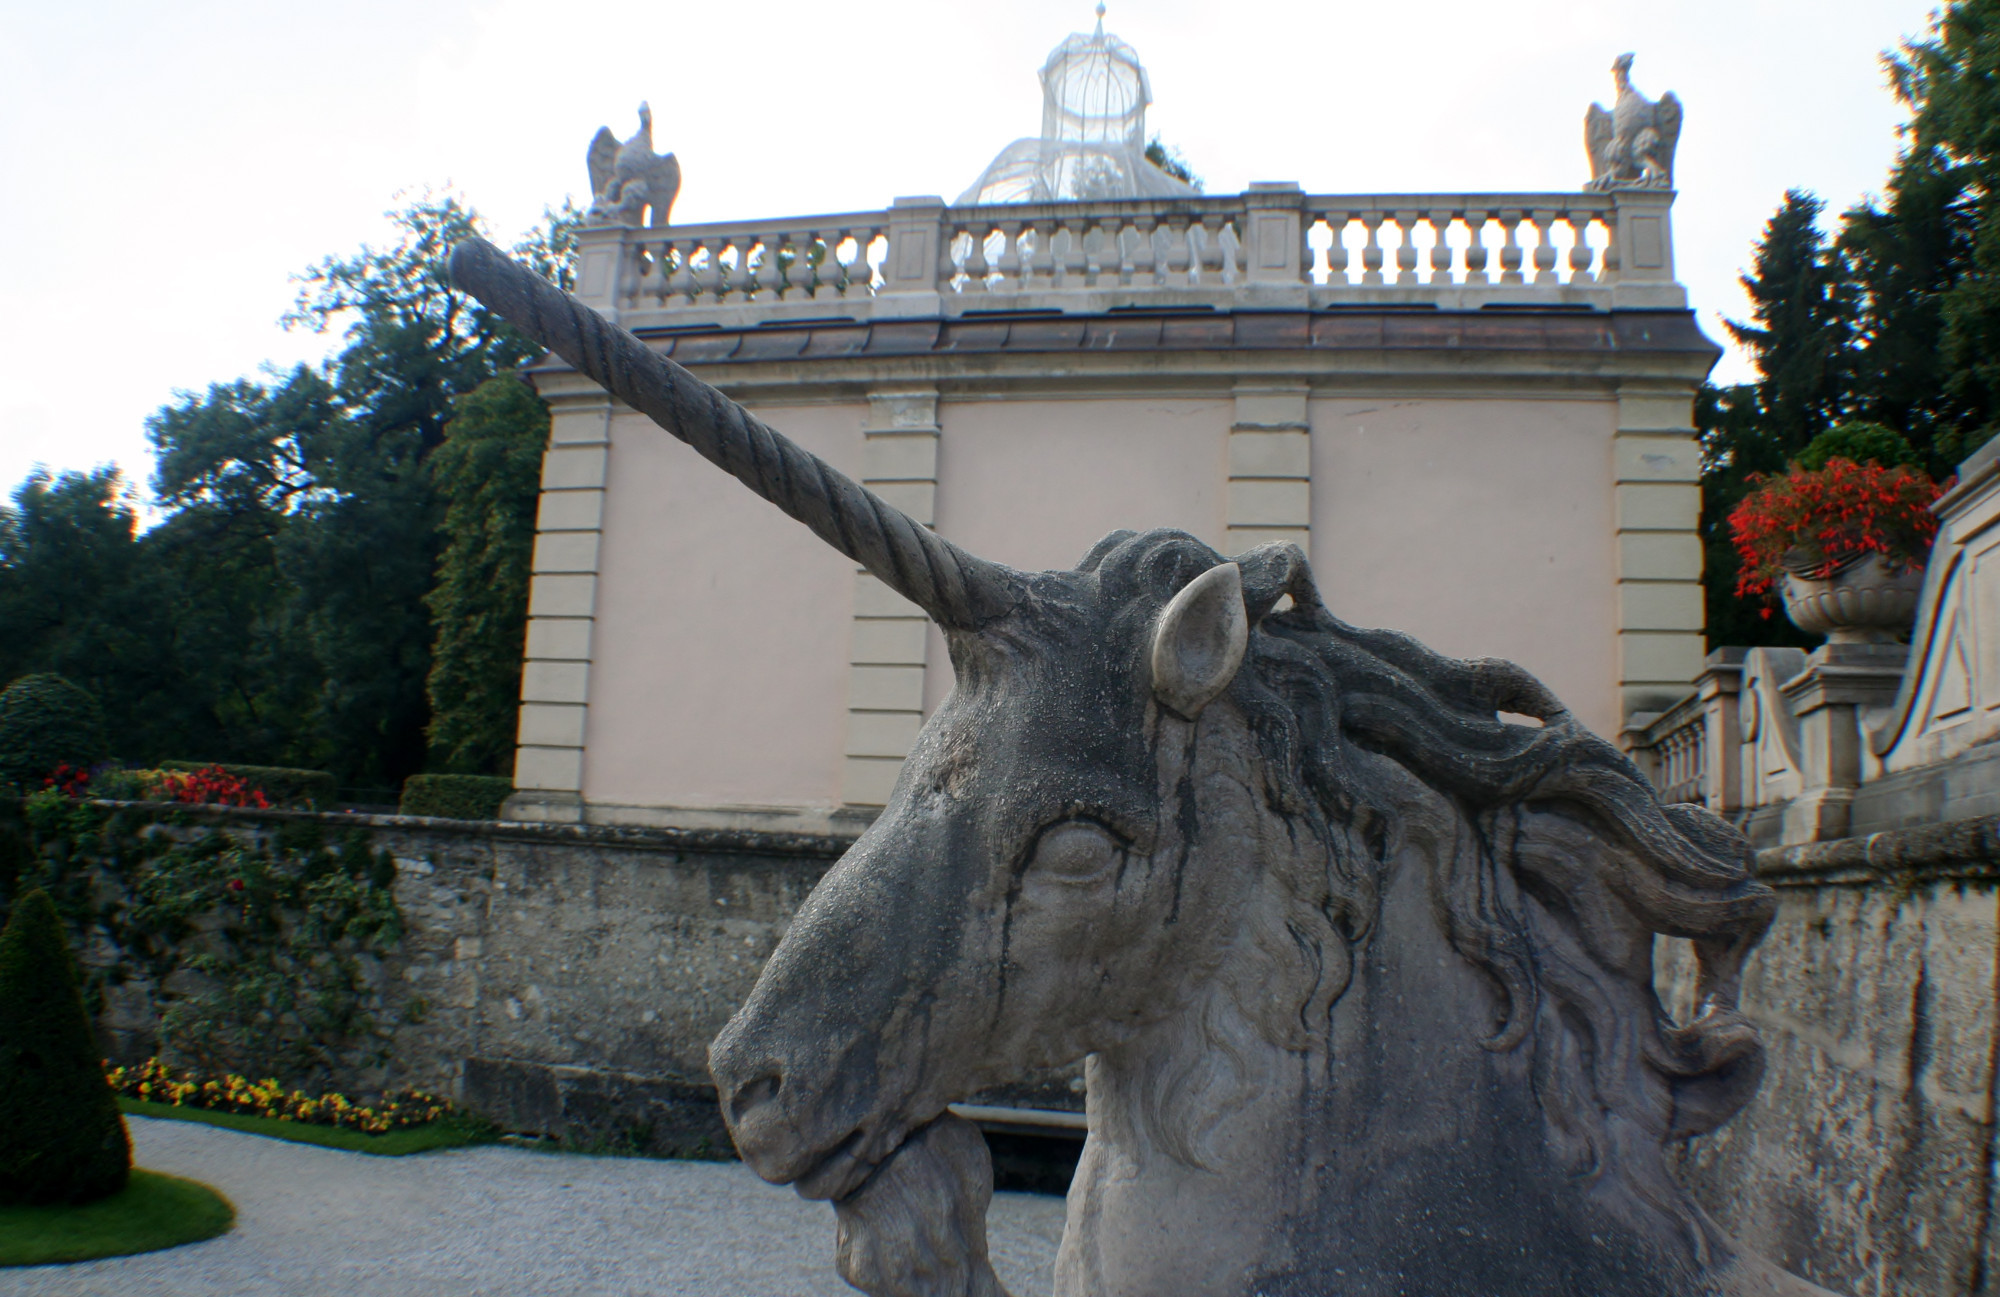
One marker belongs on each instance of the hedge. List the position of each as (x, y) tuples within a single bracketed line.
[(313, 789), (44, 721), (456, 797), (62, 1138)]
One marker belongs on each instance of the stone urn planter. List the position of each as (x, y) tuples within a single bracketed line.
[(1868, 601)]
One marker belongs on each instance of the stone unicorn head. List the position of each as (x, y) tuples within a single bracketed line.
[(1362, 971)]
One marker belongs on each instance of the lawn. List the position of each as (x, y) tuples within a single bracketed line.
[(396, 1143), (152, 1211)]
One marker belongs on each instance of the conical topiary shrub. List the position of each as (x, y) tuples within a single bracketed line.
[(62, 1138), (44, 719)]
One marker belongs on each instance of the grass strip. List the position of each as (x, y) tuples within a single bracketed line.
[(395, 1143), (151, 1212)]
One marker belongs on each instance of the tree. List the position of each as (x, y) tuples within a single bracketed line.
[(1800, 339), (1169, 160), (1928, 260), (62, 1139), (276, 614), (364, 552), (72, 596), (489, 474)]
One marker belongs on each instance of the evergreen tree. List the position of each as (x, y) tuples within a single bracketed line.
[(1800, 338), (489, 474), (1928, 260), (62, 1138)]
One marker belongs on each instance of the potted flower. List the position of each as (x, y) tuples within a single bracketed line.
[(1845, 546)]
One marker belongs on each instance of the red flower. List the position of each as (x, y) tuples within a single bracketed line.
[(1826, 518)]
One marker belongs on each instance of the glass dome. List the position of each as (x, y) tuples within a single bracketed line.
[(1093, 140)]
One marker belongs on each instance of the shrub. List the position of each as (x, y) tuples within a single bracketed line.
[(1814, 522), (62, 1139), (310, 789), (46, 721), (456, 797), (1864, 443)]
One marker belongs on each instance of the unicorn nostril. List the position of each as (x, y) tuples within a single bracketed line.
[(754, 1094)]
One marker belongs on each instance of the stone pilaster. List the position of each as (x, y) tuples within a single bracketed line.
[(1270, 468), (562, 604), (885, 691), (1841, 682), (1657, 467)]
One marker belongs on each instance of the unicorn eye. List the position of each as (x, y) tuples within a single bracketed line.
[(1076, 851)]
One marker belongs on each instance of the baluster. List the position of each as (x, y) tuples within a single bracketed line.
[(802, 276), (1441, 251), (947, 258), (1177, 251), (1612, 255), (778, 266), (1229, 245), (1069, 269), (682, 285), (1406, 247), (1475, 251), (1371, 254), (700, 280), (1122, 245), (1580, 253), (1510, 250), (655, 286), (861, 275), (1545, 251), (1336, 251), (1145, 256), (835, 276), (1091, 243), (976, 267), (1201, 251), (823, 275), (1010, 257), (1040, 268)]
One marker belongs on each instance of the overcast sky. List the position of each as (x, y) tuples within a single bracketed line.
[(165, 168)]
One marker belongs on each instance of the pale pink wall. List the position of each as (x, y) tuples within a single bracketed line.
[(1036, 483), (719, 671), (1481, 526)]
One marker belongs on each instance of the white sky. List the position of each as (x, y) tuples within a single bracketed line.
[(164, 168)]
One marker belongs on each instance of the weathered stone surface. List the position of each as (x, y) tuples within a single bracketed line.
[(1865, 1163), (573, 976), (1363, 971)]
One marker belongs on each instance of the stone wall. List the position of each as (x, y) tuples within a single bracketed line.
[(572, 977), (1866, 1160)]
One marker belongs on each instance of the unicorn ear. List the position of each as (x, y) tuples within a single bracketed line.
[(1199, 643)]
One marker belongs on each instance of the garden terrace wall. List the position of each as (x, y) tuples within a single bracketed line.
[(1866, 1161), (573, 976)]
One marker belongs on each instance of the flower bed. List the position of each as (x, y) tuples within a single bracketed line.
[(154, 1082)]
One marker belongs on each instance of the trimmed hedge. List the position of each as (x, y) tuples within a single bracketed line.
[(313, 789), (456, 797), (44, 721), (62, 1138)]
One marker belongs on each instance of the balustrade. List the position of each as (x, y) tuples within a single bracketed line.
[(1450, 250)]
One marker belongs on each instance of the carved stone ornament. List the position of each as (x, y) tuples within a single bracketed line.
[(1632, 146), (1361, 972), (629, 183)]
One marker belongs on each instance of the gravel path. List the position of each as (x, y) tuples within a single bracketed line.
[(495, 1222)]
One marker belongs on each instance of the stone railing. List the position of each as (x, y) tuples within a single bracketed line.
[(1675, 748), (1272, 246)]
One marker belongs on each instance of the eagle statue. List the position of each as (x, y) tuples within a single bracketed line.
[(1632, 146), (629, 183)]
